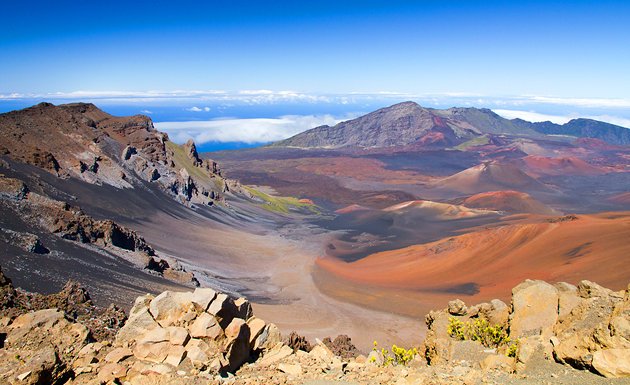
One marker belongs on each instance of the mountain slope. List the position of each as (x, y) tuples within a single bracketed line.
[(581, 128), (490, 176), (81, 141), (408, 124)]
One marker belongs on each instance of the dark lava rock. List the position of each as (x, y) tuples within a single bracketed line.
[(341, 346)]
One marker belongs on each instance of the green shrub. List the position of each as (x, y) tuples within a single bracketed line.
[(491, 336), (397, 356)]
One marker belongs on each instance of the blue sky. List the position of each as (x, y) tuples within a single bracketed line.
[(189, 53)]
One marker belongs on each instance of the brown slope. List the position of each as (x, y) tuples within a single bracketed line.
[(508, 201), (490, 176), (542, 165), (81, 141), (485, 264)]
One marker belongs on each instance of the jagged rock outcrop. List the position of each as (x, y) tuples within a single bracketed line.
[(81, 141), (73, 300), (39, 348), (206, 337), (587, 327), (71, 223)]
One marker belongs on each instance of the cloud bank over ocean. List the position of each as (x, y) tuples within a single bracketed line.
[(250, 131)]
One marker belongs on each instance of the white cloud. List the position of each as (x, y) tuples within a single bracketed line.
[(146, 112), (581, 102), (197, 109), (259, 130), (531, 116), (623, 122)]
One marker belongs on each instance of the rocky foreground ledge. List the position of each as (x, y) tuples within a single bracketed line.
[(549, 334)]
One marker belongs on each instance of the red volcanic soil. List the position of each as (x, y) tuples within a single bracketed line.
[(490, 176), (541, 165), (351, 209), (509, 201), (596, 144), (486, 264), (438, 210), (432, 138)]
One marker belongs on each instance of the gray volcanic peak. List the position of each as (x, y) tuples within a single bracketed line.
[(582, 128), (409, 124)]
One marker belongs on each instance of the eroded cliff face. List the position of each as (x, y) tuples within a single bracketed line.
[(71, 224), (208, 337), (81, 141)]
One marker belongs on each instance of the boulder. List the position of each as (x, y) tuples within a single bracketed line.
[(612, 363), (46, 344), (276, 354), (118, 354), (568, 298), (177, 335), (237, 345), (534, 309), (172, 308), (294, 370), (457, 307), (499, 362), (596, 323), (206, 326), (244, 308), (256, 327), (203, 297), (224, 308), (140, 320)]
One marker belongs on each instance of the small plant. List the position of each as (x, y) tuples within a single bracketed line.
[(397, 356), (513, 347), (491, 336)]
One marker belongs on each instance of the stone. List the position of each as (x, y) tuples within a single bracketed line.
[(42, 319), (588, 289), (154, 352), (175, 355), (471, 351), (154, 335), (457, 307), (23, 376), (110, 372), (290, 369), (499, 313), (568, 298), (612, 363), (237, 347), (177, 335), (235, 328), (268, 338), (140, 304), (90, 349), (244, 308), (498, 362), (322, 353), (118, 354), (197, 356), (224, 309), (136, 325), (274, 355), (169, 307), (256, 327), (205, 326), (534, 310), (203, 297)]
